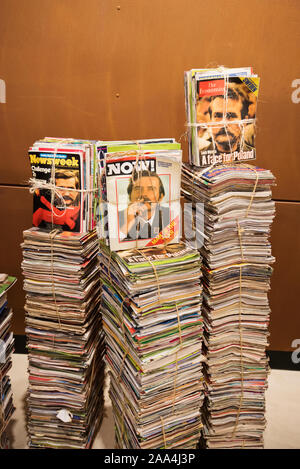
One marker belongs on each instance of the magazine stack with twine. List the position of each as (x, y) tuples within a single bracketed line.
[(63, 327), (151, 302), (6, 350), (232, 234)]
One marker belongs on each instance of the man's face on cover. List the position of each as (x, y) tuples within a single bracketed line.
[(146, 190), (226, 142), (69, 196), (252, 105), (202, 113), (202, 109)]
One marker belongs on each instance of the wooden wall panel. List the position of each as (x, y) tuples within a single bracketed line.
[(64, 61), (15, 216), (114, 69), (284, 299)]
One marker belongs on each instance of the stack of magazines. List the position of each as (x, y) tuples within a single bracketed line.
[(6, 349), (140, 193), (65, 340), (153, 329), (221, 111), (64, 183), (236, 278)]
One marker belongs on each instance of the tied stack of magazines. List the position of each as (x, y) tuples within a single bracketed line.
[(236, 279), (6, 349), (140, 192), (65, 340), (221, 113), (64, 183), (153, 330)]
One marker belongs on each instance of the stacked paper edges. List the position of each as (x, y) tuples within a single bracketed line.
[(236, 278), (153, 329), (64, 338), (6, 349)]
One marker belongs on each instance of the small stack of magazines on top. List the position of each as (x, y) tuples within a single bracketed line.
[(238, 212), (64, 338), (64, 183), (6, 349), (221, 112), (153, 326), (140, 192)]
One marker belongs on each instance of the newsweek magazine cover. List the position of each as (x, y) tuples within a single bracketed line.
[(71, 205), (143, 197), (221, 110)]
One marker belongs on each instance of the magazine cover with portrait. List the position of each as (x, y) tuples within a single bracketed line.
[(143, 198), (228, 108), (221, 111), (64, 209)]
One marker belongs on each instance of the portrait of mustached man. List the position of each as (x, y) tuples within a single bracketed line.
[(64, 214), (229, 139), (144, 216)]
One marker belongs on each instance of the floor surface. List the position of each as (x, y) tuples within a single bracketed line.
[(282, 399)]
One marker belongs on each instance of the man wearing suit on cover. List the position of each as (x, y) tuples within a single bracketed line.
[(144, 217)]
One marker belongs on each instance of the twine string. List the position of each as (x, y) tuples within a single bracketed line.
[(176, 359), (140, 155), (154, 270), (52, 234), (2, 421), (125, 341), (240, 231), (163, 432)]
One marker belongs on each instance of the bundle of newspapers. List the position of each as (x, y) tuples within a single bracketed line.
[(153, 330), (64, 338), (65, 184), (140, 193), (236, 251), (221, 111), (6, 349)]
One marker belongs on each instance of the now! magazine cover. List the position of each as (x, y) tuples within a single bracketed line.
[(143, 198)]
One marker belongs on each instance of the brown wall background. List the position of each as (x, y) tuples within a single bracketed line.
[(114, 70)]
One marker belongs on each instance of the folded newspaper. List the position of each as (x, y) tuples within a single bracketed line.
[(140, 191), (221, 111)]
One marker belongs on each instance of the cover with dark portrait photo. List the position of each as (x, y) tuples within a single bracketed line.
[(63, 207), (143, 197), (221, 109)]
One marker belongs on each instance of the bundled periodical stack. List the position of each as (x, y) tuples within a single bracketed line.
[(236, 279), (64, 184), (151, 317), (64, 338), (6, 349), (140, 192)]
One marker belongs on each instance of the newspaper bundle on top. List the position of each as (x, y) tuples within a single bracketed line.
[(64, 184), (141, 194), (221, 112)]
